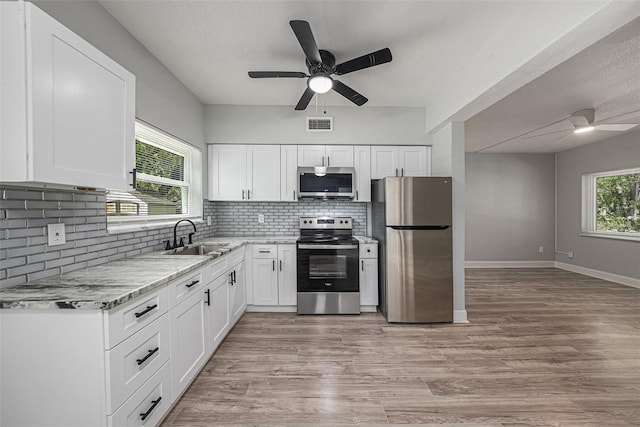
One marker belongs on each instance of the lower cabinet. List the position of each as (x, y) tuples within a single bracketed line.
[(188, 342), (273, 275), (237, 292), (368, 276), (217, 311)]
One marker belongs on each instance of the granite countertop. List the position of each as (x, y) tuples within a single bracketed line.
[(108, 285)]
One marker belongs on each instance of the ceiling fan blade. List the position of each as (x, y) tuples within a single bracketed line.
[(545, 134), (381, 56), (303, 33), (616, 127), (349, 93), (269, 74), (305, 99)]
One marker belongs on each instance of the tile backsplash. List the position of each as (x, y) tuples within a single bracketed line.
[(26, 212)]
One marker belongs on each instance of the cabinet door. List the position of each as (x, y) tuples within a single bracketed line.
[(237, 293), (369, 281), (227, 172), (263, 172), (339, 156), (362, 165), (311, 155), (83, 109), (218, 316), (288, 172), (384, 161), (412, 161), (287, 279), (188, 342), (265, 281)]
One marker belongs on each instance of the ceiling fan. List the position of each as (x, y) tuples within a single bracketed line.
[(583, 121), (321, 65)]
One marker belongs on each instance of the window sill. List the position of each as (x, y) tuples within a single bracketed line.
[(611, 236), (124, 226)]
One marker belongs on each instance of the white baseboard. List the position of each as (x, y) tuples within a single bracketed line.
[(460, 316), (509, 264), (368, 308), (611, 277), (271, 309)]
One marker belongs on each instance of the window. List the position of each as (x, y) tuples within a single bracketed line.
[(168, 183), (611, 203)]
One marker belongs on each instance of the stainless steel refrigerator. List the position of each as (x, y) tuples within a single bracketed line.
[(412, 220)]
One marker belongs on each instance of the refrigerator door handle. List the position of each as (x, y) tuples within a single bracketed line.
[(419, 227)]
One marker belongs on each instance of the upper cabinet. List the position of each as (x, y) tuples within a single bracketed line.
[(392, 160), (337, 156), (362, 165), (67, 111), (244, 172), (288, 173)]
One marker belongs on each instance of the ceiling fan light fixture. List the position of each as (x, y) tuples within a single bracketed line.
[(584, 129), (320, 83)]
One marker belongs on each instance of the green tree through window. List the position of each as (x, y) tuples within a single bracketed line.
[(618, 203)]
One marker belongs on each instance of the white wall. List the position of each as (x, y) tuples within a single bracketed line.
[(613, 256), (284, 125), (161, 99), (509, 207)]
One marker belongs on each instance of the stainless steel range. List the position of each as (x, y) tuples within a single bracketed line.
[(327, 261)]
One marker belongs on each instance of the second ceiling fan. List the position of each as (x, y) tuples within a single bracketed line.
[(321, 65)]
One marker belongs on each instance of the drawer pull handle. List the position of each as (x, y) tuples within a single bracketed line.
[(195, 282), (208, 301), (149, 354), (154, 403), (264, 251), (148, 309), (273, 265)]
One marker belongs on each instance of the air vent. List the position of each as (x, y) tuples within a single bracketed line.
[(319, 124)]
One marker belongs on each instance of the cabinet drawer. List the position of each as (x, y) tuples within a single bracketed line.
[(265, 251), (368, 250), (216, 269), (153, 399), (188, 285), (132, 362), (129, 318)]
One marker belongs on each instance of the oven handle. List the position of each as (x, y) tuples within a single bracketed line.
[(327, 246)]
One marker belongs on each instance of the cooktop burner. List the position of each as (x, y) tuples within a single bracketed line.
[(335, 230)]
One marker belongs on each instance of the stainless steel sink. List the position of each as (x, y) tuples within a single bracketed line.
[(198, 250)]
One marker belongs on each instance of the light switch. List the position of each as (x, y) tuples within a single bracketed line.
[(56, 234), (260, 219)]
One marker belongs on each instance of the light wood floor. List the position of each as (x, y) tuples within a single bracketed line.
[(544, 347)]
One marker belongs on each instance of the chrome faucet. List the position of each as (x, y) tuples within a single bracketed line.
[(177, 244)]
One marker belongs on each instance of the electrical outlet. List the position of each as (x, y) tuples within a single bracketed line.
[(541, 249), (570, 255), (260, 219), (56, 234), (208, 220)]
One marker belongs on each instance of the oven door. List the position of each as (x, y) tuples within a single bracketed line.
[(327, 267)]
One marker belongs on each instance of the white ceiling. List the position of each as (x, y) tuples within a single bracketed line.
[(438, 48)]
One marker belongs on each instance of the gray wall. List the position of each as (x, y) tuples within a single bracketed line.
[(609, 255), (509, 207), (161, 99), (284, 125)]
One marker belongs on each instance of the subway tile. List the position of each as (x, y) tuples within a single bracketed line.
[(100, 247), (13, 204), (108, 252), (72, 252), (14, 262), (47, 256), (18, 214), (22, 194), (59, 262), (95, 205), (13, 281), (97, 261), (29, 268), (13, 243), (40, 222), (73, 267), (86, 257), (86, 242), (96, 219), (25, 232), (42, 274), (116, 257), (72, 205), (58, 196), (85, 197), (86, 212), (58, 213)]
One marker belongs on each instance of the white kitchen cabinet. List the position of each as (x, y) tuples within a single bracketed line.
[(244, 172), (67, 111), (237, 293), (274, 280), (368, 276), (400, 161), (288, 173), (287, 279), (362, 165), (325, 155), (189, 332), (217, 311)]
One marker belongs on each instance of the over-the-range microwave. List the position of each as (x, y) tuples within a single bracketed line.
[(326, 183)]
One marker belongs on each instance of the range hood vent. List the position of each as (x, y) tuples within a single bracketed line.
[(319, 124)]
